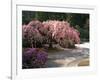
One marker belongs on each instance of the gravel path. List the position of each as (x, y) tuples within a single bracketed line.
[(68, 57)]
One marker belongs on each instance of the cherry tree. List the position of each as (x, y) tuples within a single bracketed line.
[(31, 35), (61, 32)]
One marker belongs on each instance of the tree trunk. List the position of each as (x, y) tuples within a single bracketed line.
[(50, 45), (50, 42)]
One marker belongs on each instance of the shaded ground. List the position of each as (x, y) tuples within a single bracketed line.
[(68, 57)]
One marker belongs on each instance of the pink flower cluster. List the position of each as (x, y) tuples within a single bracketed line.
[(61, 30)]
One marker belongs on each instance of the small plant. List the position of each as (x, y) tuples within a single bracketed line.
[(34, 58)]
